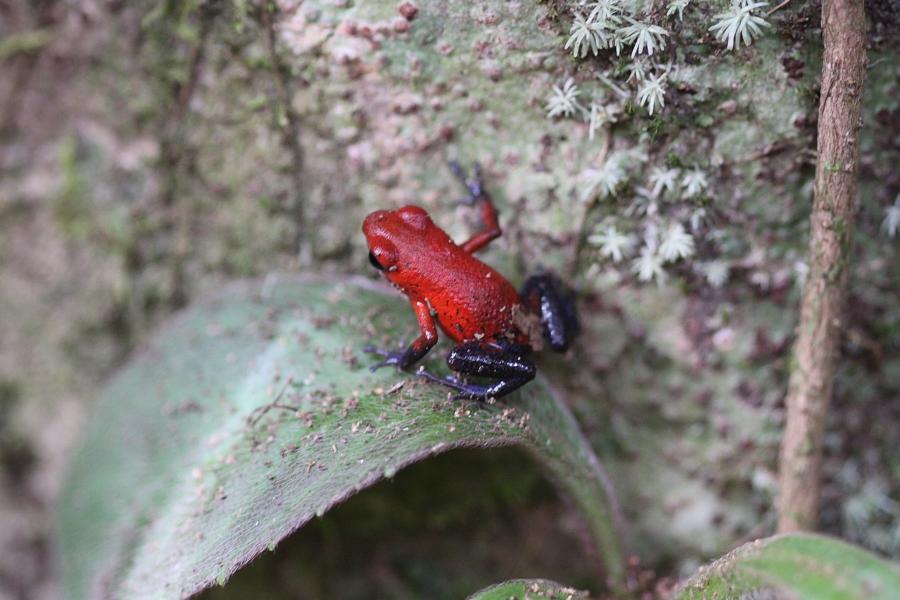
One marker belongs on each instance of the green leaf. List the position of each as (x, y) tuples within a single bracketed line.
[(800, 566), (529, 589), (252, 413)]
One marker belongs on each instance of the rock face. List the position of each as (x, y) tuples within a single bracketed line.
[(151, 152)]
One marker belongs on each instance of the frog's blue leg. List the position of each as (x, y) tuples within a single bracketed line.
[(509, 365)]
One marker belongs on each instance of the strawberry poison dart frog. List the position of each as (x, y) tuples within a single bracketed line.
[(495, 327)]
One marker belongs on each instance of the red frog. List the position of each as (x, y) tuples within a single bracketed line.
[(495, 327)]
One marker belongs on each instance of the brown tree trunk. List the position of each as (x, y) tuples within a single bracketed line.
[(831, 223)]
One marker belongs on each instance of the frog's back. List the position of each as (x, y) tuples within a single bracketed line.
[(469, 299)]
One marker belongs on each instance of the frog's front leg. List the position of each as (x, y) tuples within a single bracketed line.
[(420, 346), (508, 365), (478, 195)]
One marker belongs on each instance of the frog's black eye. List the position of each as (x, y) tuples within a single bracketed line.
[(374, 262)]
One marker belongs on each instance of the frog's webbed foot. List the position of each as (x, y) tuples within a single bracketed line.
[(466, 391), (473, 184), (450, 381), (392, 358)]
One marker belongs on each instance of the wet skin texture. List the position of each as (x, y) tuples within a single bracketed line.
[(469, 301)]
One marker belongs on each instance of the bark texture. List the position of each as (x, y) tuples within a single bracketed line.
[(831, 223)]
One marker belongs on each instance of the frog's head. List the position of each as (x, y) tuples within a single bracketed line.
[(392, 234)]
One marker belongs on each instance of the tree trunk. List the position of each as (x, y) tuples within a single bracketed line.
[(831, 223)]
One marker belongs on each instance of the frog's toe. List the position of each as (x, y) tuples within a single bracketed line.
[(390, 358), (473, 184), (387, 362), (448, 380)]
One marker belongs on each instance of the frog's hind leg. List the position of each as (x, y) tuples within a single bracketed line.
[(546, 296), (508, 365)]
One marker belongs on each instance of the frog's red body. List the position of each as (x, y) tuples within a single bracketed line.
[(468, 299), (471, 302)]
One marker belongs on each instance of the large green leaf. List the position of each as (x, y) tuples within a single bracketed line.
[(529, 589), (797, 566), (253, 412)]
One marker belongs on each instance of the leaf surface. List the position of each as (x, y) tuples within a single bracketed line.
[(802, 566), (252, 413), (529, 589)]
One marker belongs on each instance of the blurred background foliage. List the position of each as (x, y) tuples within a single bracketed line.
[(151, 151)]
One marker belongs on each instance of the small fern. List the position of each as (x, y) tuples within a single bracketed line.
[(646, 38), (739, 24)]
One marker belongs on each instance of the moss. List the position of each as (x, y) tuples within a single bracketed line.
[(25, 43), (661, 398), (72, 203)]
